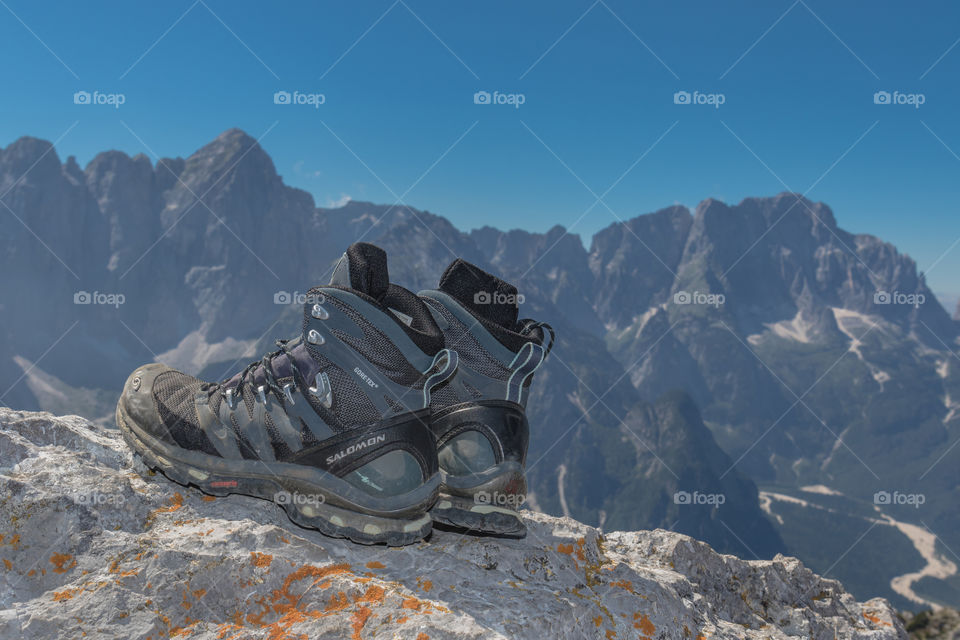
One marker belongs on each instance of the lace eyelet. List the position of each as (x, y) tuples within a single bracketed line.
[(323, 390), (314, 337), (319, 312), (288, 390)]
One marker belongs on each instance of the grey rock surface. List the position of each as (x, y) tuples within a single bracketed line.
[(90, 548)]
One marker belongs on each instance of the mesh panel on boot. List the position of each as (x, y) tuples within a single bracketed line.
[(351, 406), (443, 397), (174, 392), (281, 451), (379, 350), (459, 338)]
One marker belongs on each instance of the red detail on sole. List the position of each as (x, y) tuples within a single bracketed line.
[(223, 483)]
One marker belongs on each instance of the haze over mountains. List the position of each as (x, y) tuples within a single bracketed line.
[(700, 354)]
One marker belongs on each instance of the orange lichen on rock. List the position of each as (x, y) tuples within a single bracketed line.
[(374, 565), (581, 556), (62, 562), (280, 630), (876, 620), (338, 602), (66, 594), (287, 602), (260, 559), (422, 636), (173, 504), (208, 498), (565, 548), (284, 601), (197, 594), (623, 584), (360, 617), (115, 568), (185, 629), (598, 620), (7, 564), (226, 628), (14, 540), (373, 595), (642, 622)]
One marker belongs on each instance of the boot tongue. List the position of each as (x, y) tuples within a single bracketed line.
[(484, 294), (363, 268)]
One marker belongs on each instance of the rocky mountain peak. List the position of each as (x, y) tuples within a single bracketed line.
[(86, 536), (230, 146), (233, 163), (29, 159)]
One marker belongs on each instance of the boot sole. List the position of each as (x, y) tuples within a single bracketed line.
[(469, 516), (221, 477), (486, 502)]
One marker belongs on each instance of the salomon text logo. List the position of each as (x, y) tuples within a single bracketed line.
[(356, 448)]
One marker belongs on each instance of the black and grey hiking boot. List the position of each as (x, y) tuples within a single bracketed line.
[(333, 426), (479, 414)]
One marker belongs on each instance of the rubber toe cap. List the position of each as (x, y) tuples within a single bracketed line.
[(137, 401)]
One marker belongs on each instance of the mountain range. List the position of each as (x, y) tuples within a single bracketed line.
[(751, 374)]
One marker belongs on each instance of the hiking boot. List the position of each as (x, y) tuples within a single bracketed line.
[(479, 414), (333, 426)]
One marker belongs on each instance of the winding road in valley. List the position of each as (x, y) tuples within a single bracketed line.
[(923, 540)]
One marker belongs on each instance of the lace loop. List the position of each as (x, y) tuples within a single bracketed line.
[(269, 377), (540, 325)]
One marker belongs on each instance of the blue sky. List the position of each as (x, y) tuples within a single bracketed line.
[(597, 80)]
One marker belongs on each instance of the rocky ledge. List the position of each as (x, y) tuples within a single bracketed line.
[(89, 548)]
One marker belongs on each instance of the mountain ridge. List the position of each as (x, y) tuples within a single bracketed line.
[(794, 302)]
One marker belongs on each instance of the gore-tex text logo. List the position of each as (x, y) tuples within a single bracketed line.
[(356, 448), (365, 378)]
